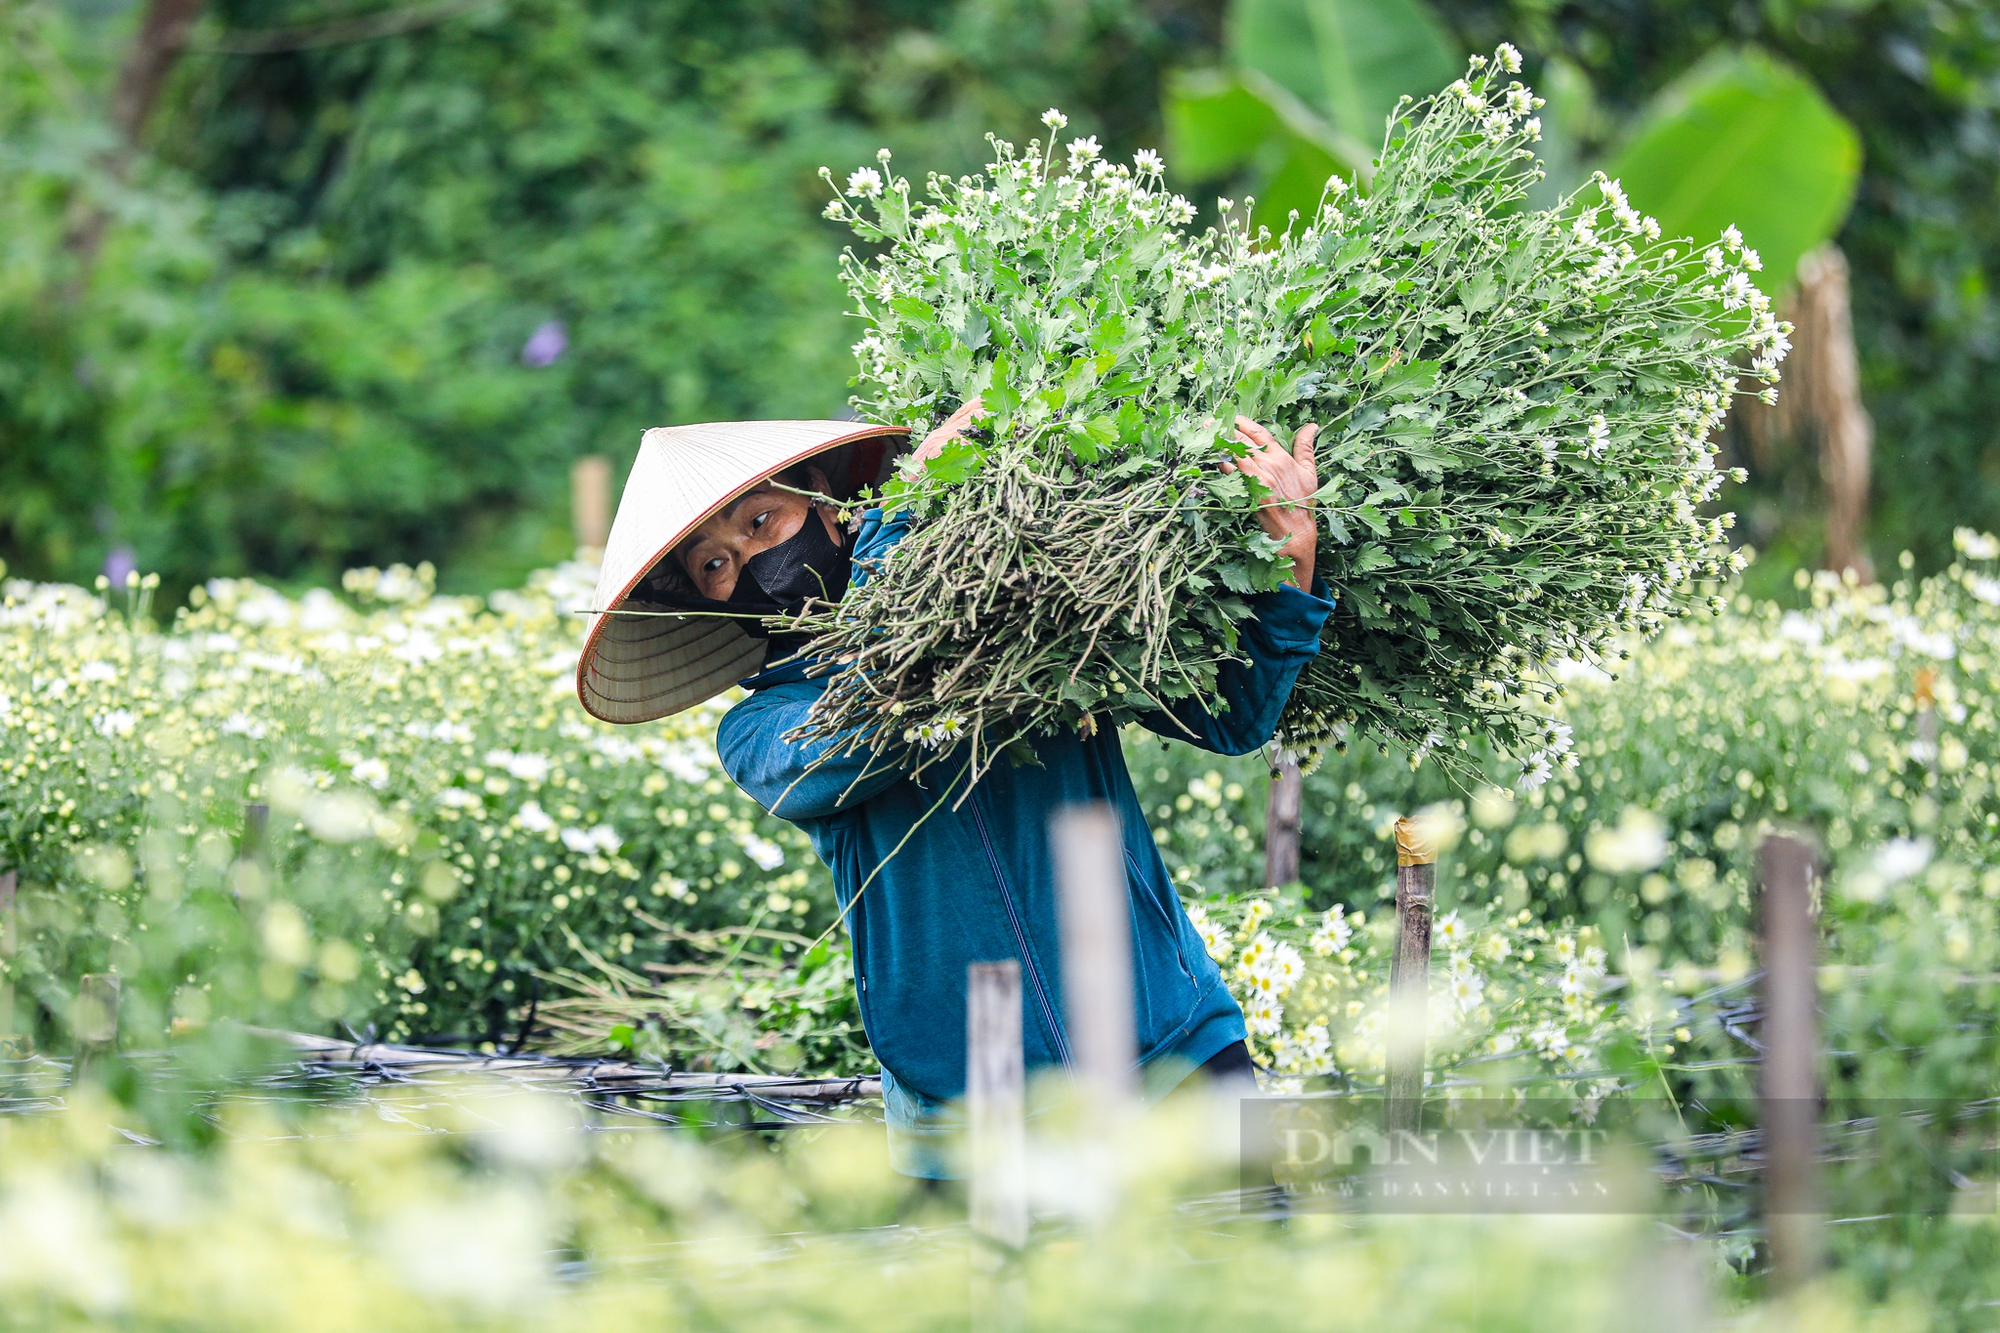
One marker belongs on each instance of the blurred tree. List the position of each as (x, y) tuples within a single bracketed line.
[(1920, 81), (1638, 84), (433, 253)]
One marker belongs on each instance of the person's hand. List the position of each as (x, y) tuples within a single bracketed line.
[(953, 427), (1286, 513)]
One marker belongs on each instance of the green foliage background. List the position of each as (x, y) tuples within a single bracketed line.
[(297, 347)]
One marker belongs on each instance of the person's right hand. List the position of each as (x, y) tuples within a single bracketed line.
[(953, 427)]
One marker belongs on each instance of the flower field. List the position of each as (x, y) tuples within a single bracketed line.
[(451, 849), (450, 840)]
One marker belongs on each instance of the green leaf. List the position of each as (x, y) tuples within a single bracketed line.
[(1213, 124), (1373, 556), (1237, 576), (1297, 183), (956, 462), (1746, 140), (1410, 379), (1348, 60)]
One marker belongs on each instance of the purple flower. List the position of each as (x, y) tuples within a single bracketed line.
[(547, 343), (121, 563)]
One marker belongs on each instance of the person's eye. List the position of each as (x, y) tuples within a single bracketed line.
[(758, 522), (714, 563)]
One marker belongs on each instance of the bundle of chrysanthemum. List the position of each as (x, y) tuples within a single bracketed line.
[(1515, 408)]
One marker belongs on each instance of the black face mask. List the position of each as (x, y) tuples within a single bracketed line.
[(775, 582), (807, 564)]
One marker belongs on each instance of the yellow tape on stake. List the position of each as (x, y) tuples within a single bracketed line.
[(1412, 847)]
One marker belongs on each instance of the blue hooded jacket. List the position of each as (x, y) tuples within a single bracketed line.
[(975, 883)]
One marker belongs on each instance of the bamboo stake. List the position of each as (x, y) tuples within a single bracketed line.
[(994, 1081), (1281, 825), (256, 832), (9, 884), (1097, 952), (1409, 977), (590, 506), (1790, 1085), (93, 1022), (1097, 996)]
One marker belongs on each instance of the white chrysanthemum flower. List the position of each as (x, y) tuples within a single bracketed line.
[(1054, 119), (1732, 238), (1264, 1018), (1736, 291), (1180, 211), (1495, 124), (1510, 59), (1599, 436), (1520, 101), (534, 819), (1468, 988), (1082, 151), (1261, 982), (867, 182), (1535, 772), (1975, 544), (1214, 938), (1452, 932), (1334, 932), (1255, 954), (116, 722), (1148, 163), (1287, 967), (1532, 127)]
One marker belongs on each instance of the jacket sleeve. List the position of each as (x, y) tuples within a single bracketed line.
[(799, 780), (1280, 638), (792, 779)]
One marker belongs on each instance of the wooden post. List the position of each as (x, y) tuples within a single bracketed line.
[(1927, 715), (9, 941), (1409, 977), (994, 1098), (590, 505), (1790, 1082), (93, 1022), (1281, 825), (1097, 951), (256, 832)]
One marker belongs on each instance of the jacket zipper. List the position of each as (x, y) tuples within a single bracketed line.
[(1173, 927), (1020, 935)]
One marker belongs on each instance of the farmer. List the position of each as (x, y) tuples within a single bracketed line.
[(729, 520)]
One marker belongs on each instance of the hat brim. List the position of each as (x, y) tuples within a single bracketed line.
[(658, 662)]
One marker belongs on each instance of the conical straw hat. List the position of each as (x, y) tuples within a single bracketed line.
[(636, 668)]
